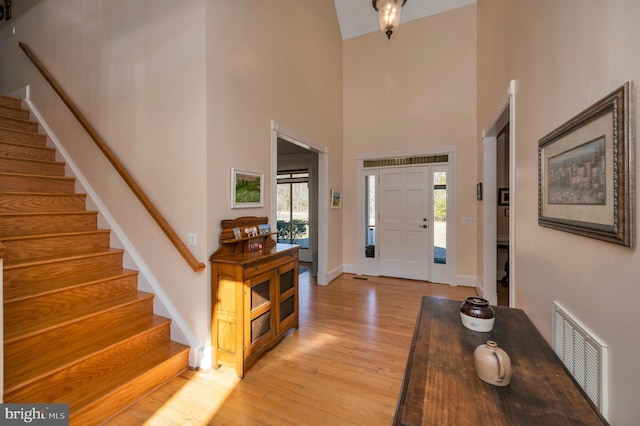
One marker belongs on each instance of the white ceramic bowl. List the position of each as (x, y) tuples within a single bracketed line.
[(477, 324)]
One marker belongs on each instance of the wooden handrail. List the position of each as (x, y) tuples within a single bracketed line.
[(155, 214)]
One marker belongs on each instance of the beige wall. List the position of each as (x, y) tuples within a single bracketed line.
[(565, 56), (278, 60), (416, 92)]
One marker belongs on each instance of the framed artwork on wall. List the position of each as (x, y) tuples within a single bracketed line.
[(586, 172), (503, 196), (247, 189)]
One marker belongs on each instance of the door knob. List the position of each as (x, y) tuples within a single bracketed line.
[(422, 226)]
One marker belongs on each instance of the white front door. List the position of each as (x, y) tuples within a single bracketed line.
[(404, 222)]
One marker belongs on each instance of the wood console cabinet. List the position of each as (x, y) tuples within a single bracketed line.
[(254, 296)]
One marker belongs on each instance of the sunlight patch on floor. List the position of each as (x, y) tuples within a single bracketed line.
[(202, 407)]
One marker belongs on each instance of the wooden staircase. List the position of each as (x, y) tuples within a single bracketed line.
[(76, 329)]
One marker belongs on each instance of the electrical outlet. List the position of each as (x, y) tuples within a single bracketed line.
[(191, 239)]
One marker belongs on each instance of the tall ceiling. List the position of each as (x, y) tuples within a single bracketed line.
[(357, 17)]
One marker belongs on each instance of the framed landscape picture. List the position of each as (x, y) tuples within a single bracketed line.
[(247, 189), (586, 173)]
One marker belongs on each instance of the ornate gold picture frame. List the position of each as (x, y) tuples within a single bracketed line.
[(586, 177)]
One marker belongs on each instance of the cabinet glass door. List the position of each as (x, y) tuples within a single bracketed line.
[(260, 306), (287, 288), (260, 294), (260, 326)]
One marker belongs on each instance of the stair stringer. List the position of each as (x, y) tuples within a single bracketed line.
[(180, 331)]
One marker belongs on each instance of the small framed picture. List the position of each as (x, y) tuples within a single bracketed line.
[(336, 199), (264, 229), (237, 233), (251, 232), (247, 189), (503, 196)]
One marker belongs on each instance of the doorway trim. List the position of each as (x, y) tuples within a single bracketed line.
[(504, 115), (279, 131), (368, 266)]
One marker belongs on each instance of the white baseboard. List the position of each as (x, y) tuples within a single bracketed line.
[(352, 268), (455, 279), (467, 280), (180, 331), (334, 273), (203, 358)]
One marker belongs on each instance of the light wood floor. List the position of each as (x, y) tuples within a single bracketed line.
[(343, 366)]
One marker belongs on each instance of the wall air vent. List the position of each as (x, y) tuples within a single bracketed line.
[(583, 356)]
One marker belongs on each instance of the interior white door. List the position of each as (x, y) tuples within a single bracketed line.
[(404, 222)]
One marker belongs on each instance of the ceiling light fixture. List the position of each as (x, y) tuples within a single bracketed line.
[(388, 15)]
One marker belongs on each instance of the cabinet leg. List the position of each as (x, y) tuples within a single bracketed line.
[(240, 370)]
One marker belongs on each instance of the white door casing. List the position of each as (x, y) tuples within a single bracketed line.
[(277, 131), (505, 114), (441, 272)]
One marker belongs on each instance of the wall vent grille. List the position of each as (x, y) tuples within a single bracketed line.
[(582, 354)]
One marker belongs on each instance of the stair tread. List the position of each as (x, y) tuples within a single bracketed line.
[(59, 234), (13, 107), (25, 373), (27, 214), (23, 145), (20, 130), (122, 376), (6, 192), (10, 112), (33, 166), (36, 246), (12, 294), (11, 98), (63, 257), (36, 176), (23, 120), (23, 139), (34, 222), (33, 160), (13, 332), (48, 194)]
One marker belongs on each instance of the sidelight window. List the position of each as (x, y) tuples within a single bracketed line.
[(440, 217)]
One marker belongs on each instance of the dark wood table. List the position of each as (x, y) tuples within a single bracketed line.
[(440, 386)]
